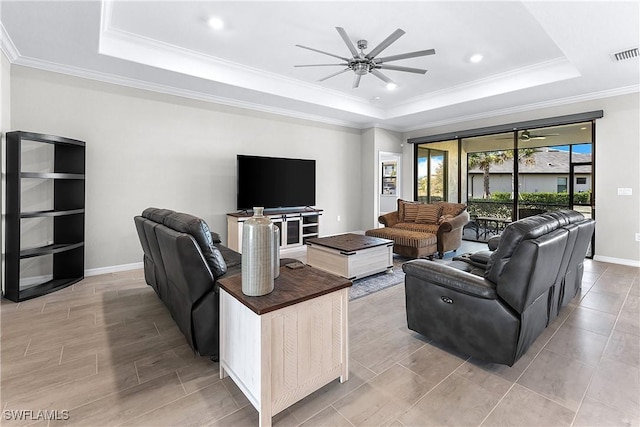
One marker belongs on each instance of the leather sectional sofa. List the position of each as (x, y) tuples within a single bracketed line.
[(493, 307), (183, 260)]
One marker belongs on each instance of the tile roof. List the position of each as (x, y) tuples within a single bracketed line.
[(551, 162)]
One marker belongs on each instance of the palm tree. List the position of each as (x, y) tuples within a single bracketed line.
[(483, 161)]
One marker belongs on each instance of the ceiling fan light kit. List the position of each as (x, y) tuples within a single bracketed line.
[(362, 64)]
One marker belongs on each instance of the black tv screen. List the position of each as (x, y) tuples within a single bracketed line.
[(274, 182)]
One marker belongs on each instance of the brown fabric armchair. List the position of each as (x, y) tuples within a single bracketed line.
[(443, 219)]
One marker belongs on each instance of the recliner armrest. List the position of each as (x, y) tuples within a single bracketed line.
[(493, 242), (451, 278)]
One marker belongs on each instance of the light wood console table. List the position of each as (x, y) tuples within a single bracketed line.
[(279, 348)]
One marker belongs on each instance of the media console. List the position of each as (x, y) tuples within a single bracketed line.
[(296, 226)]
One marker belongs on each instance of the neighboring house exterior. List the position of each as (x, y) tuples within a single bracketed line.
[(549, 173)]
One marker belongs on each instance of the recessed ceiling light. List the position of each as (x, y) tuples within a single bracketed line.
[(216, 23), (475, 58), (391, 86)]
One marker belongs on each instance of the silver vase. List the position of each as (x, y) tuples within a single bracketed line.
[(258, 254)]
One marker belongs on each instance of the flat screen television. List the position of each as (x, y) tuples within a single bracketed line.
[(275, 182)]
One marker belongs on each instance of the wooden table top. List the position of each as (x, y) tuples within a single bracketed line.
[(291, 287), (349, 242)]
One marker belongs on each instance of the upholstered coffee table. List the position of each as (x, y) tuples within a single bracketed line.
[(350, 255)]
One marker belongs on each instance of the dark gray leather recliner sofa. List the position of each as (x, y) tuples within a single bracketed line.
[(494, 311), (183, 260)]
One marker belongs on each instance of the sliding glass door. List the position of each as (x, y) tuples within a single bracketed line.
[(503, 177)]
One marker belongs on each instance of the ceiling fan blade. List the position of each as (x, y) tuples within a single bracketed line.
[(347, 41), (397, 68), (356, 81), (323, 52), (334, 74), (320, 65), (405, 56), (382, 77), (385, 43)]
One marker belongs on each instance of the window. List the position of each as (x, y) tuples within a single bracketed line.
[(581, 180), (562, 184)]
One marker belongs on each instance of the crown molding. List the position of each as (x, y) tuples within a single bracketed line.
[(142, 50), (169, 90), (6, 45), (529, 107), (538, 74)]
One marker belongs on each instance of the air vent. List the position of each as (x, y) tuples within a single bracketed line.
[(625, 54)]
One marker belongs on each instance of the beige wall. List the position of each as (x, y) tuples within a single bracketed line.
[(148, 149), (617, 159)]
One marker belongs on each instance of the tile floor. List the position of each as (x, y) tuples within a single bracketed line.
[(106, 352)]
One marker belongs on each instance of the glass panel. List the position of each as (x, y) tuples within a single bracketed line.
[(546, 179), (437, 176), (434, 180), (489, 180)]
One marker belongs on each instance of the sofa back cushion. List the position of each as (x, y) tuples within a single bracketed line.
[(453, 209), (524, 229), (200, 231), (156, 214), (532, 270)]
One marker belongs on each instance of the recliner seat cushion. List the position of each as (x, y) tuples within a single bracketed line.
[(200, 231)]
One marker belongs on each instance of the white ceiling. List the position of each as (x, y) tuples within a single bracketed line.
[(535, 53)]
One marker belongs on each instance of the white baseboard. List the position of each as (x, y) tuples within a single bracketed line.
[(621, 261), (113, 269)]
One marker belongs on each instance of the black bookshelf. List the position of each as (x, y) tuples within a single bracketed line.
[(65, 249)]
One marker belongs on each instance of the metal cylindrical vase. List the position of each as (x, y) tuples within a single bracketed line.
[(257, 254), (276, 251)]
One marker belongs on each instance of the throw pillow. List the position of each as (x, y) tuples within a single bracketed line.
[(411, 212), (429, 214), (401, 209)]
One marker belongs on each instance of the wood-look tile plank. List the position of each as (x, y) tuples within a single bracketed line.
[(18, 387), (80, 391), (121, 406), (12, 367), (196, 409)]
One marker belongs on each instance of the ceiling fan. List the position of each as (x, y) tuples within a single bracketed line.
[(362, 63), (525, 135)]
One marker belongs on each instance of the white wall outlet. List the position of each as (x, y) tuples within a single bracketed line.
[(625, 192), (637, 237), (338, 218)]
